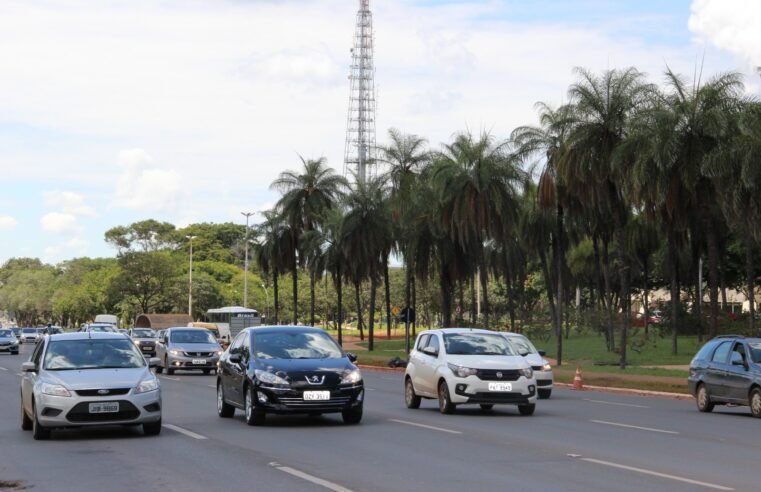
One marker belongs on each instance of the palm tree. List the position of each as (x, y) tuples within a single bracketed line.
[(271, 251), (306, 196)]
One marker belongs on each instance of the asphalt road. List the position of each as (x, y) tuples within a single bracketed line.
[(576, 441)]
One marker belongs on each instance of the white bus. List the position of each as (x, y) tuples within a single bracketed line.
[(232, 319)]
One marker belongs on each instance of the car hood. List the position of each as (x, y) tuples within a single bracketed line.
[(195, 347), (305, 365), (489, 361), (534, 359), (7, 339), (99, 378)]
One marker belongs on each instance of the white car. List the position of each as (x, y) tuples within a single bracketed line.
[(468, 366), (540, 365)]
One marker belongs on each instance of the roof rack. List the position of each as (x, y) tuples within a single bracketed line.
[(730, 336)]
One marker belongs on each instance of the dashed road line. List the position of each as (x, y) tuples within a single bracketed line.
[(185, 431), (636, 427), (171, 378), (616, 403), (429, 427), (310, 478), (3, 368)]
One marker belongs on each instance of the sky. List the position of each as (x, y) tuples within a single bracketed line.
[(185, 110)]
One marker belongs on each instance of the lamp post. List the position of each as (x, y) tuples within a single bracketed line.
[(190, 277), (245, 264), (267, 296)]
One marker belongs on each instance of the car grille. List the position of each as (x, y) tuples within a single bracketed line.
[(544, 382), (491, 374), (111, 392), (81, 413), (493, 397), (334, 402), (199, 354)]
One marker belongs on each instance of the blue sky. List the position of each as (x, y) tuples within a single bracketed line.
[(185, 111)]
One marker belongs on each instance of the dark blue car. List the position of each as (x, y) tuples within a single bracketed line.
[(727, 369)]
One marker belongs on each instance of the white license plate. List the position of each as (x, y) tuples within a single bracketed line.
[(111, 407), (500, 387), (199, 362), (316, 395), (147, 349)]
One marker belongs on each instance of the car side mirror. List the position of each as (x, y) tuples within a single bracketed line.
[(523, 353), (234, 358), (154, 362), (29, 367), (739, 362), (351, 357), (542, 352), (431, 351)]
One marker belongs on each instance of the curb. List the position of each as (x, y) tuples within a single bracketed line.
[(631, 391)]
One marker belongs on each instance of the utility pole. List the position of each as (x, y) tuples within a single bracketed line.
[(190, 277), (245, 264), (267, 311)]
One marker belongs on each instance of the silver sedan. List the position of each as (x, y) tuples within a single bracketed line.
[(86, 379)]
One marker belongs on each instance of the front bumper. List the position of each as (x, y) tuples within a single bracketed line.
[(189, 363), (72, 411), (9, 348), (474, 390), (291, 400), (544, 379)]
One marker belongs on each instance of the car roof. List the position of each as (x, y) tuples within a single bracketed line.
[(461, 330), (189, 328), (286, 329), (81, 335)]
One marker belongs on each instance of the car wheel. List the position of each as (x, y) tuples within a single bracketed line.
[(159, 369), (253, 416), (39, 432), (352, 416), (703, 400), (755, 403), (544, 394), (486, 407), (224, 409), (152, 429), (26, 422), (410, 398), (207, 372), (169, 370), (445, 403), (527, 409)]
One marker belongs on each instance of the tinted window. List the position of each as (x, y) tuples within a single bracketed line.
[(476, 344), (704, 352), (755, 352), (143, 333), (192, 336), (117, 353), (30, 330), (422, 341), (722, 352), (235, 346), (289, 345), (522, 345)]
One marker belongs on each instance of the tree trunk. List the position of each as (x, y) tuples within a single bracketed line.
[(473, 301), (311, 296), (359, 308), (388, 297), (276, 295), (713, 277), (339, 296), (697, 310), (295, 280), (460, 302), (749, 278), (723, 283), (371, 321), (445, 285), (560, 257), (407, 300), (608, 295), (414, 305), (646, 307), (485, 289), (547, 286), (674, 274), (510, 301)]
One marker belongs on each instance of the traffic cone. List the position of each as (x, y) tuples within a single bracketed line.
[(578, 384)]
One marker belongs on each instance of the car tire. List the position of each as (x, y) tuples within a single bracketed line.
[(159, 369), (152, 429), (544, 394), (26, 422), (445, 402), (411, 399), (224, 409), (14, 353), (703, 399), (169, 370), (527, 409), (206, 372), (352, 416), (253, 416), (487, 407), (39, 433), (755, 403)]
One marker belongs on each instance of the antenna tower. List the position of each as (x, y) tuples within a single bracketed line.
[(360, 152)]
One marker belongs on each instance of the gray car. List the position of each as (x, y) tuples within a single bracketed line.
[(145, 339), (189, 349), (8, 341), (86, 379)]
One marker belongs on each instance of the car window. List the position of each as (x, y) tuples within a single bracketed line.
[(721, 353), (521, 345), (423, 341), (296, 345), (245, 347), (36, 355), (477, 344), (237, 343), (755, 352), (705, 352), (433, 343), (192, 336), (113, 353), (738, 353), (6, 333)]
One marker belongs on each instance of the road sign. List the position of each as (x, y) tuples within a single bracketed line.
[(395, 310)]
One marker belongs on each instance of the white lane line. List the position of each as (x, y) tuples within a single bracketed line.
[(3, 368), (616, 403), (370, 389), (184, 431), (658, 474), (310, 478), (212, 386), (649, 429), (430, 427), (168, 377)]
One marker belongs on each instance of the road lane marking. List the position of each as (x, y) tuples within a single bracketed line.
[(657, 474), (310, 478), (3, 368), (649, 429), (616, 403), (184, 431), (212, 386), (168, 377), (430, 427)]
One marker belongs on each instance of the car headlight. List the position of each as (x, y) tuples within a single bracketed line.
[(147, 385), (220, 352), (175, 352), (527, 372), (352, 377), (462, 372), (546, 366), (54, 389), (137, 342), (270, 378)]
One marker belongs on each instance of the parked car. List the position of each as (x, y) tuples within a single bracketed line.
[(468, 366), (29, 335), (145, 339), (188, 349), (288, 370), (727, 370), (85, 379), (541, 366), (8, 341)]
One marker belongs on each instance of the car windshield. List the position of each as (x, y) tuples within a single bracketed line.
[(6, 333), (103, 328), (289, 345), (192, 336), (476, 344), (755, 352), (65, 355), (29, 330), (144, 333), (522, 345)]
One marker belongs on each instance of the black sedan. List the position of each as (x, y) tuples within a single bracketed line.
[(727, 370), (288, 370)]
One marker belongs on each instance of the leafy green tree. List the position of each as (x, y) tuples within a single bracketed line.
[(145, 235)]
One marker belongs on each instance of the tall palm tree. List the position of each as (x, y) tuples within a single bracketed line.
[(274, 241), (307, 194)]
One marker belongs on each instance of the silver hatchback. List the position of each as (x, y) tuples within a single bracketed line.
[(86, 379)]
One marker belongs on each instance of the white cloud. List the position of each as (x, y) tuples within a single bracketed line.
[(7, 223), (71, 248), (733, 25), (141, 186), (60, 223), (69, 202)]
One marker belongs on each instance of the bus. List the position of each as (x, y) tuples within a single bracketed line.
[(232, 319)]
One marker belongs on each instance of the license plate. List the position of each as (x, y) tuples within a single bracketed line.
[(147, 349), (316, 395), (111, 407), (199, 362), (500, 387)]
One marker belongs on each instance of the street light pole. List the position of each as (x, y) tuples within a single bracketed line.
[(245, 264), (190, 277), (267, 294)]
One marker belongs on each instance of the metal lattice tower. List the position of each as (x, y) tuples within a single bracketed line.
[(360, 152)]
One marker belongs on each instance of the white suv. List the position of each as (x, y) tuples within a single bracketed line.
[(464, 365)]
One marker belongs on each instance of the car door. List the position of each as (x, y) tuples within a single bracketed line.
[(28, 379), (416, 361), (716, 374), (738, 378), (233, 373), (428, 364)]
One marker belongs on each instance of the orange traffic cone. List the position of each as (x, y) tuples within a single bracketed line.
[(578, 384)]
